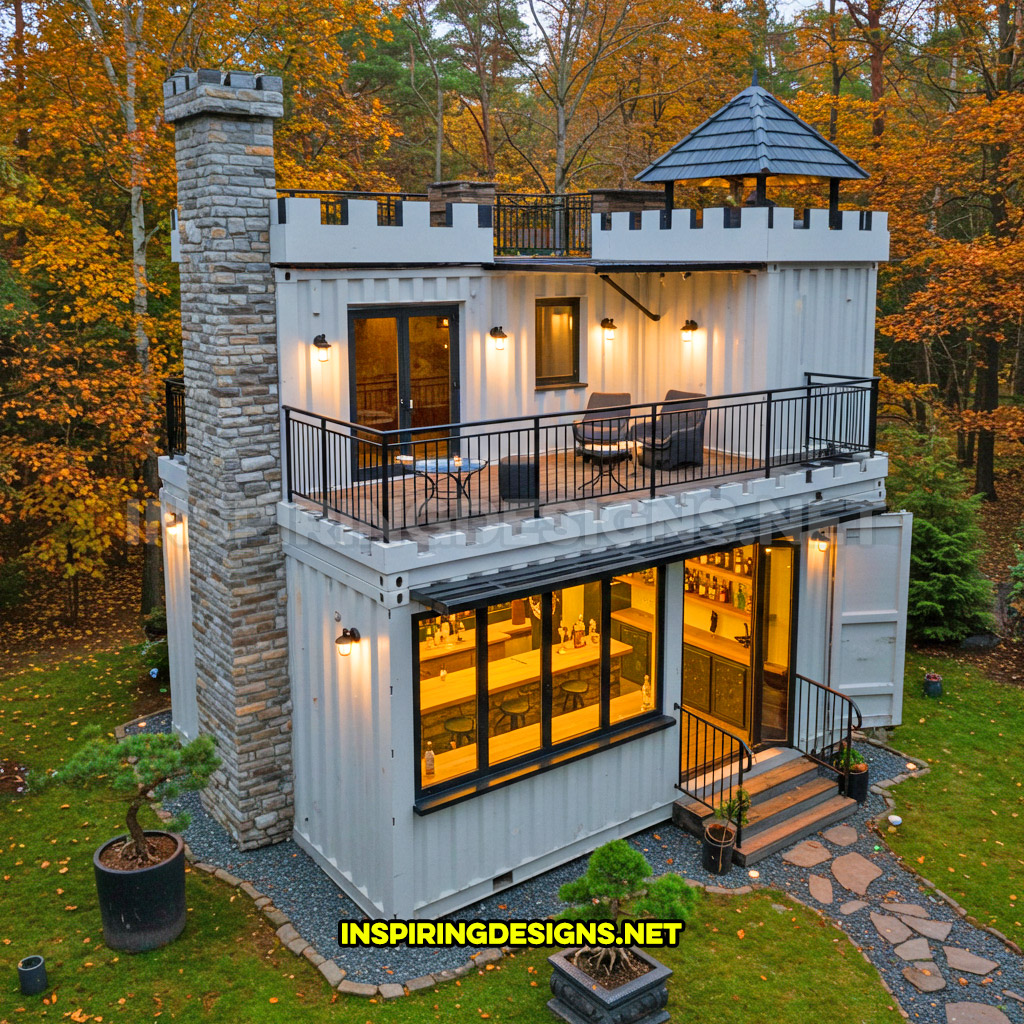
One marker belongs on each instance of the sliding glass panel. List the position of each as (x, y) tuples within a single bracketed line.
[(514, 679), (429, 377), (375, 340), (576, 662), (776, 634), (448, 725), (635, 627)]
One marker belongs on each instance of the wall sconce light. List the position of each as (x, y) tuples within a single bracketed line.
[(322, 346), (499, 336), (820, 539), (175, 523), (442, 323), (609, 328), (345, 641), (686, 331)]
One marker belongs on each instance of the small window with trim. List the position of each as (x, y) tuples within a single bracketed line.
[(558, 343)]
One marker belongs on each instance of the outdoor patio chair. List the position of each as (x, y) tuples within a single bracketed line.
[(601, 436), (676, 437)]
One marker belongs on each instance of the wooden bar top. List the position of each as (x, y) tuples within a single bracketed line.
[(635, 618), (506, 673), (719, 645)]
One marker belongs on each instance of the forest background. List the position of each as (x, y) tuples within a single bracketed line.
[(539, 96)]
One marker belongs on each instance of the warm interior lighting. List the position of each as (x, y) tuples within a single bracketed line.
[(820, 539), (346, 640), (609, 328), (322, 346), (442, 322), (175, 523), (686, 331), (499, 336)]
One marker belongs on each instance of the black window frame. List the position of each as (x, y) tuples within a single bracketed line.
[(561, 381), (487, 777)]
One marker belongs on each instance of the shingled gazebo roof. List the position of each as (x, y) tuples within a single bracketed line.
[(752, 135)]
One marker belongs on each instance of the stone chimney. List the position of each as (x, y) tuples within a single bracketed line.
[(224, 146)]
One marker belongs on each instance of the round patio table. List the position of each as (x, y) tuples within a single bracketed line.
[(447, 479)]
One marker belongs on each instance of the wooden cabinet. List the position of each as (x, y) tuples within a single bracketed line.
[(716, 685)]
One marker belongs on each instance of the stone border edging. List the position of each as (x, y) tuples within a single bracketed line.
[(334, 975), (881, 789), (121, 731)]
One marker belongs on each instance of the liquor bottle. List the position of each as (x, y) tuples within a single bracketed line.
[(748, 566), (714, 589), (579, 633), (703, 559), (443, 674), (727, 560), (428, 759), (727, 592), (461, 635), (702, 586), (645, 695), (741, 598)]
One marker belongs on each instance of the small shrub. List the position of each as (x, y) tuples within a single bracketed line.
[(157, 657), (156, 621), (13, 582), (1015, 598)]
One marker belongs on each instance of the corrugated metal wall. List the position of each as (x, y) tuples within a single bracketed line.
[(178, 596), (341, 722)]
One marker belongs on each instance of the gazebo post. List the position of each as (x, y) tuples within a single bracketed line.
[(670, 187), (762, 190), (835, 220)]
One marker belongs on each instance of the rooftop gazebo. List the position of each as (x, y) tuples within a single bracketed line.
[(751, 137)]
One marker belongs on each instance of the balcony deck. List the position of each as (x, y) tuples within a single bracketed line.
[(400, 483), (417, 514)]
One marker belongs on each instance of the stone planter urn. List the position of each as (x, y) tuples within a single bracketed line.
[(580, 999)]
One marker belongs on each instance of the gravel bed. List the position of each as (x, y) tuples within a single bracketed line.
[(315, 904)]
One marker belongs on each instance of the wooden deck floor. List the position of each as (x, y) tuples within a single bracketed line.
[(430, 504)]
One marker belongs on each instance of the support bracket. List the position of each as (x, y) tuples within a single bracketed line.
[(636, 302)]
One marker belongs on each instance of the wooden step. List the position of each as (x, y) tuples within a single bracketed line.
[(791, 830), (765, 787), (788, 804)]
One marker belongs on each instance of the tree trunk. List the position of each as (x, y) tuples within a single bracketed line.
[(152, 555), (138, 837), (833, 109), (987, 401)]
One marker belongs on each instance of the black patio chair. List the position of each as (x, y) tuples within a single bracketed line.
[(676, 437)]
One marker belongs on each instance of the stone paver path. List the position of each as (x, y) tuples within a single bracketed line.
[(904, 928), (821, 889), (890, 928), (841, 835), (963, 960), (855, 872), (807, 854), (974, 1013)]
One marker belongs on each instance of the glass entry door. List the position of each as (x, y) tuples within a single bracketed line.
[(775, 643), (403, 364)]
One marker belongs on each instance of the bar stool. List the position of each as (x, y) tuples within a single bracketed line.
[(461, 728), (516, 708), (574, 690)]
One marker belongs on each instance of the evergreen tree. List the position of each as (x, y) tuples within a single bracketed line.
[(949, 597)]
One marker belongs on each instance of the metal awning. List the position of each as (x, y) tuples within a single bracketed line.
[(459, 595)]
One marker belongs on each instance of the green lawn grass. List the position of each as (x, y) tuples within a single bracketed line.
[(963, 822), (740, 960)]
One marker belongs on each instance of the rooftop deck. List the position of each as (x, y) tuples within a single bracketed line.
[(361, 229)]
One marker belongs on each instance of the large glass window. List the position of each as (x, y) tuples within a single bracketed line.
[(558, 342), (448, 698), (509, 681)]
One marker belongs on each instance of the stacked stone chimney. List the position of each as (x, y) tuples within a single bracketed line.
[(224, 145)]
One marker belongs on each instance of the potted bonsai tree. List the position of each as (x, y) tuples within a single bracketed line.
[(605, 983), (140, 876), (720, 833), (853, 773)]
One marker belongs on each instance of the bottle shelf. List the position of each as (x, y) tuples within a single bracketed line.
[(720, 606), (717, 570)]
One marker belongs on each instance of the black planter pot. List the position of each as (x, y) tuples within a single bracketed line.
[(578, 999), (858, 788), (32, 975), (144, 908), (716, 850)]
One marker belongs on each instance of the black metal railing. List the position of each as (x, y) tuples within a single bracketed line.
[(334, 205), (542, 225), (713, 763), (391, 480), (823, 723), (174, 403)]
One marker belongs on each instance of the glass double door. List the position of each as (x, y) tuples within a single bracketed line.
[(738, 630), (404, 371)]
